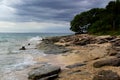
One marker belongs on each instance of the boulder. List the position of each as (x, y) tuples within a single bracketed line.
[(44, 72), (106, 75), (107, 62)]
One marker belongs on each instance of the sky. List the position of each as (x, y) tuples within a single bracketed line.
[(42, 15)]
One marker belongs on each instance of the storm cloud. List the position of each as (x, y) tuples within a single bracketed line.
[(45, 11), (55, 10)]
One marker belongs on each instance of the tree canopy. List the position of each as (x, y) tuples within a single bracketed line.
[(98, 20)]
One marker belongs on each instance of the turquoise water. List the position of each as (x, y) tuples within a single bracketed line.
[(12, 59)]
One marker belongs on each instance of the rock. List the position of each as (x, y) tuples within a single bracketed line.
[(112, 52), (51, 48), (117, 48), (101, 41), (28, 44), (107, 62), (66, 39), (115, 40), (104, 39), (110, 38), (22, 48), (45, 72), (82, 42), (76, 71), (75, 65), (116, 43), (117, 55), (106, 75)]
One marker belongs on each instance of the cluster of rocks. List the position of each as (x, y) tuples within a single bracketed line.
[(86, 39), (48, 46), (114, 51), (80, 40)]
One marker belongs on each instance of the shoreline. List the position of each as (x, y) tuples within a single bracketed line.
[(77, 56), (79, 49)]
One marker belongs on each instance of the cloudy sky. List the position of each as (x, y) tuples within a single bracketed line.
[(42, 15)]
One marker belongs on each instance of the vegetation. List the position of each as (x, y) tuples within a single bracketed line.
[(98, 20)]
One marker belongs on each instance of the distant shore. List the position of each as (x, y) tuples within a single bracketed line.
[(77, 54)]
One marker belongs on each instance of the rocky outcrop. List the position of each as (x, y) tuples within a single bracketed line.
[(107, 62), (45, 72), (102, 50), (106, 75), (49, 47), (87, 39)]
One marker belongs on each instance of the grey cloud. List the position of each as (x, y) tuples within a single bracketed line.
[(42, 15), (61, 10), (52, 10)]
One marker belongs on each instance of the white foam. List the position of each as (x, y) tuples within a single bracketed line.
[(35, 39), (27, 61), (33, 42)]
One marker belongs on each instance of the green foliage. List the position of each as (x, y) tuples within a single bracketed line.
[(100, 20)]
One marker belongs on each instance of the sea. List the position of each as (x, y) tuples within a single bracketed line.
[(13, 59)]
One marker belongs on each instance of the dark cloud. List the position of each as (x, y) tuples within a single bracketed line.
[(53, 10), (42, 15)]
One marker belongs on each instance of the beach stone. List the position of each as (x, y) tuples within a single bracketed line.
[(44, 72), (22, 48), (75, 65), (106, 75), (107, 62)]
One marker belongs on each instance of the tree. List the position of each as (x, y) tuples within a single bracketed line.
[(85, 19), (98, 20)]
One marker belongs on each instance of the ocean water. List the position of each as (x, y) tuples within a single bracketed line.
[(12, 59)]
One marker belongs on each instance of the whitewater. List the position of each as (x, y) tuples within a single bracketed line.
[(12, 59)]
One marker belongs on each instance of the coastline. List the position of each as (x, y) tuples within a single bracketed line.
[(79, 49)]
